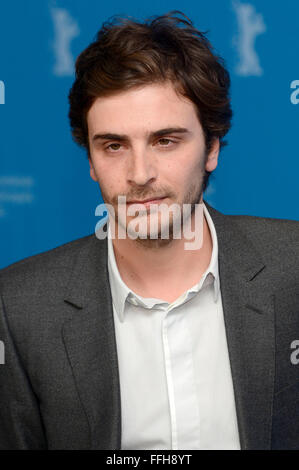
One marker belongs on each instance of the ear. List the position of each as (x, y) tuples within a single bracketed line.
[(92, 170), (212, 159)]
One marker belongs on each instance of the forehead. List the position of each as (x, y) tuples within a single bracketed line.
[(154, 106)]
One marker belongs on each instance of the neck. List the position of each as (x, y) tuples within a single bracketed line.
[(164, 271)]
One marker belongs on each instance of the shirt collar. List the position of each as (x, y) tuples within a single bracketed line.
[(120, 291)]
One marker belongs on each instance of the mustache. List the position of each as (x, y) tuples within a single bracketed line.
[(143, 195)]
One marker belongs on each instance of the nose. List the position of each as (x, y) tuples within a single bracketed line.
[(141, 168)]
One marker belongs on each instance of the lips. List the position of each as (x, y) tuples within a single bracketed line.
[(147, 200)]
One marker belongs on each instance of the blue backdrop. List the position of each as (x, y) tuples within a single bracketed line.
[(46, 195)]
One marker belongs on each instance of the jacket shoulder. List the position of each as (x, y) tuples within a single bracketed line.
[(258, 228), (49, 269), (268, 229), (277, 241)]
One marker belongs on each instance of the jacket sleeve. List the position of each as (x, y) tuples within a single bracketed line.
[(21, 425)]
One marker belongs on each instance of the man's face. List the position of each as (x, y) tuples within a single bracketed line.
[(148, 143)]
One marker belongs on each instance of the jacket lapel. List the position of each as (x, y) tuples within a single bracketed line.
[(249, 320), (90, 343)]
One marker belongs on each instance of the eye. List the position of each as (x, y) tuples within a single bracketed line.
[(164, 142), (114, 146)]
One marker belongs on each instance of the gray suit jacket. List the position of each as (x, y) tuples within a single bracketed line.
[(59, 386)]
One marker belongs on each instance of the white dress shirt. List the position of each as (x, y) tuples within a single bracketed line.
[(175, 378)]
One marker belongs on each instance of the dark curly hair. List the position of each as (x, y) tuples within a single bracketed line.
[(127, 53)]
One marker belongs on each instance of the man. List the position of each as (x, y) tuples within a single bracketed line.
[(137, 342)]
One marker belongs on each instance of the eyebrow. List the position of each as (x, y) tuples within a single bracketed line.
[(125, 138)]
